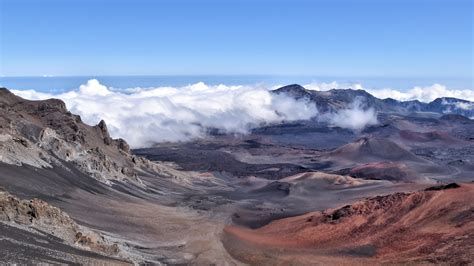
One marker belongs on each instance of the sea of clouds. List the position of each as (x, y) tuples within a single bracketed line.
[(144, 116)]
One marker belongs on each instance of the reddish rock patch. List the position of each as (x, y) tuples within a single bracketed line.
[(426, 226)]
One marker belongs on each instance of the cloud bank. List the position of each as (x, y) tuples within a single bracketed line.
[(144, 116), (464, 106), (424, 94), (354, 117)]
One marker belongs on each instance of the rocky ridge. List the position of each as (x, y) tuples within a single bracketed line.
[(45, 134), (46, 219), (332, 100)]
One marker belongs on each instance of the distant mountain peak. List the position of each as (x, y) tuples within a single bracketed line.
[(294, 90), (335, 99)]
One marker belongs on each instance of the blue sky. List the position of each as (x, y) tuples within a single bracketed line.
[(417, 38)]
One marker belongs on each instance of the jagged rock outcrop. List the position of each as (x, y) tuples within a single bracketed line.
[(46, 134), (39, 215)]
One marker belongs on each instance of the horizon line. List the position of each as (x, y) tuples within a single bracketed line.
[(235, 75)]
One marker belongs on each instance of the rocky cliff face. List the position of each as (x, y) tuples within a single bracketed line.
[(39, 215), (46, 134)]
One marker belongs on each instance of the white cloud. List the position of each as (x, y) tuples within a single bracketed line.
[(94, 88), (424, 94), (464, 106), (354, 117), (32, 94), (145, 116)]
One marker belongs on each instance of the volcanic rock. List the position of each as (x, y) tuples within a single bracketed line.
[(45, 134), (419, 227), (38, 214)]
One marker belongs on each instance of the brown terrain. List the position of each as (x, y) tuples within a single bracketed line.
[(431, 226)]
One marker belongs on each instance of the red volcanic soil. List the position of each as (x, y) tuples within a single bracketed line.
[(384, 171), (369, 149), (427, 136), (435, 226)]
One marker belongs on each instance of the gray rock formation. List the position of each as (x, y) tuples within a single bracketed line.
[(46, 134), (39, 215)]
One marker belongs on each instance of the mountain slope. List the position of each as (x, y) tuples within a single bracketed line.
[(433, 226), (332, 100), (50, 159), (45, 133)]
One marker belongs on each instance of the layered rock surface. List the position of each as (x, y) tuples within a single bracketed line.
[(42, 219), (46, 134)]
